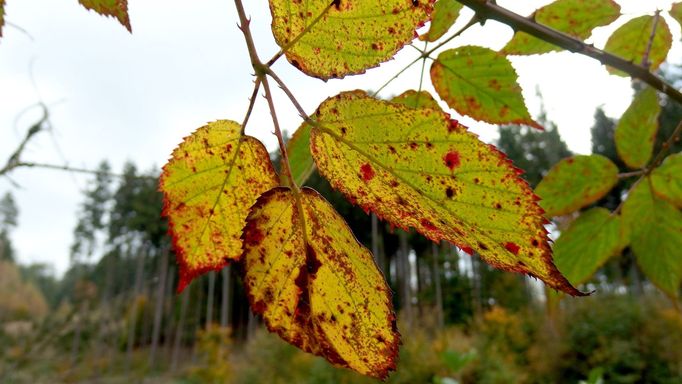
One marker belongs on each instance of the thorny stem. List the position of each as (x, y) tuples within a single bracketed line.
[(261, 76), (674, 137), (300, 35), (487, 9), (252, 102), (291, 97), (645, 59)]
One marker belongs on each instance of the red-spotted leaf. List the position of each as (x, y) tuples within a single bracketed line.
[(117, 9), (655, 237), (676, 12), (418, 168), (209, 184), (445, 13), (588, 243), (666, 180), (315, 285), (346, 37), (574, 17), (632, 42), (480, 83), (300, 159), (576, 182), (636, 130), (414, 99)]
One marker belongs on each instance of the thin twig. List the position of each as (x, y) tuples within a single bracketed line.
[(645, 59), (486, 9), (15, 158), (625, 175), (674, 137), (252, 102), (68, 168)]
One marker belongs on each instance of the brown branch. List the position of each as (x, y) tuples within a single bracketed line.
[(486, 9), (645, 59)]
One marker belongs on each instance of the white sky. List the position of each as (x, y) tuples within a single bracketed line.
[(121, 97)]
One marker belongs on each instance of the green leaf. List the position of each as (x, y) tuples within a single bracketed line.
[(666, 180), (480, 83), (418, 168), (117, 9), (676, 12), (576, 182), (316, 285), (636, 130), (574, 17), (300, 159), (2, 15), (414, 99), (350, 37), (444, 15), (585, 246), (631, 42), (655, 237), (213, 178)]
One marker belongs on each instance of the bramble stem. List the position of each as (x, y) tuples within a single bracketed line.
[(486, 9)]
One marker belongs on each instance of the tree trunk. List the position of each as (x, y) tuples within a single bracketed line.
[(139, 274), (158, 307), (209, 300), (436, 283), (177, 343), (226, 299), (404, 259)]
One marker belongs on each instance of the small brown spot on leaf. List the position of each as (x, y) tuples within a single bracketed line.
[(366, 172), (513, 248), (451, 160)]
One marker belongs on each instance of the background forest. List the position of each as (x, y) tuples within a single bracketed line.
[(114, 315)]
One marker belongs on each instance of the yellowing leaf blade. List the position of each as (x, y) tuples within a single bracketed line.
[(445, 13), (676, 12), (655, 237), (117, 9), (300, 159), (211, 181), (631, 42), (666, 180), (315, 285), (414, 99), (576, 182), (350, 36), (480, 83), (588, 243), (636, 130), (417, 168), (574, 17)]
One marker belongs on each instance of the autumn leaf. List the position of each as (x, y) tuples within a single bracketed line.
[(417, 168), (676, 12), (350, 36), (117, 9), (209, 184), (631, 42), (445, 13), (300, 159), (414, 99), (480, 83), (2, 15), (576, 182), (588, 243), (636, 130), (573, 17), (666, 180), (315, 285), (655, 227)]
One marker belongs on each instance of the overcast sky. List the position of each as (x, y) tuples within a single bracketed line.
[(117, 96)]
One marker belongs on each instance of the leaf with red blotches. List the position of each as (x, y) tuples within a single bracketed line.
[(636, 130), (332, 39), (415, 167), (576, 18), (209, 184), (315, 285), (480, 83), (445, 13), (632, 41), (414, 99), (576, 182), (117, 9)]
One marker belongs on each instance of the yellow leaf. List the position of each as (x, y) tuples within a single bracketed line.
[(315, 285), (211, 181), (417, 168)]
